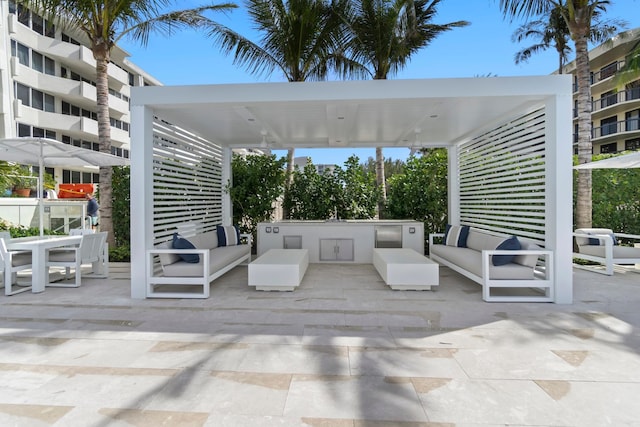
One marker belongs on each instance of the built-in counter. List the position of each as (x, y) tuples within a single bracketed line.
[(340, 241)]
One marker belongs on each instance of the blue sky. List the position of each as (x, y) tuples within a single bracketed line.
[(480, 49)]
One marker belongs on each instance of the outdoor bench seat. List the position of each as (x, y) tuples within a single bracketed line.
[(214, 262), (475, 262), (598, 245)]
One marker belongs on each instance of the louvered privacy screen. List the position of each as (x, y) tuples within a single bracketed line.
[(187, 181), (502, 178)]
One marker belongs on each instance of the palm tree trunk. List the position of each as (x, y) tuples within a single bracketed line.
[(381, 182), (585, 147), (288, 180), (104, 141)]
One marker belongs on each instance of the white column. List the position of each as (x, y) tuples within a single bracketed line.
[(141, 196), (559, 194), (227, 206), (453, 184)]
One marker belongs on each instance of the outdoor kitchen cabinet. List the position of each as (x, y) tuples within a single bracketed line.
[(336, 249), (357, 238)]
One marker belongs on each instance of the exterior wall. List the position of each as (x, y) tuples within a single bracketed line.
[(615, 111), (56, 74)]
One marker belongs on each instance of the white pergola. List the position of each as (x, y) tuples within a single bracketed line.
[(508, 138)]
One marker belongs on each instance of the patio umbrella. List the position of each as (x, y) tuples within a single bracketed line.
[(620, 162), (46, 152)]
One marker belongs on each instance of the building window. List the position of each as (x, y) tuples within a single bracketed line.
[(609, 148), (633, 90), (37, 23), (608, 126), (632, 144), (608, 99), (21, 52), (608, 71), (632, 121), (67, 39), (26, 130), (49, 66), (22, 93)]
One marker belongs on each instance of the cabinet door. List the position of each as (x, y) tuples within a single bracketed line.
[(292, 242), (344, 249), (327, 249)]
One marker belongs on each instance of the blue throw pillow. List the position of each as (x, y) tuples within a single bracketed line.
[(228, 235), (597, 242), (512, 244), (182, 243), (456, 235)]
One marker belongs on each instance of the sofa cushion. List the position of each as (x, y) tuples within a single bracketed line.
[(182, 243), (511, 244), (619, 252), (228, 235), (471, 261), (481, 241), (207, 240), (456, 235), (219, 258)]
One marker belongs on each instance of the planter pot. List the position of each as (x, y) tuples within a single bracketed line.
[(22, 192)]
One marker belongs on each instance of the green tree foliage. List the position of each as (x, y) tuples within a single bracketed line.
[(357, 191), (420, 193), (120, 182), (616, 198), (258, 181), (345, 193), (311, 195)]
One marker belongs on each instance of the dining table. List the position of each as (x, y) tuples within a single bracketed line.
[(39, 245)]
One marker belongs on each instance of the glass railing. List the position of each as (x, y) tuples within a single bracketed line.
[(59, 215)]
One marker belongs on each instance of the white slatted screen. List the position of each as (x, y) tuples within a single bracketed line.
[(187, 182), (502, 179)]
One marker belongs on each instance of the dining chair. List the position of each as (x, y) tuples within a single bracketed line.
[(89, 251), (10, 263)]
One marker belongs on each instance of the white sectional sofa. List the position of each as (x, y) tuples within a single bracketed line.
[(475, 262), (214, 261)]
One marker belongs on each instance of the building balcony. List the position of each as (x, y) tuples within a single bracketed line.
[(78, 58), (615, 99), (81, 94), (74, 126), (624, 129)]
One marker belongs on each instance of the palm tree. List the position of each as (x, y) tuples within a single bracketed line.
[(631, 69), (299, 38), (552, 32), (383, 35), (105, 23), (579, 16)]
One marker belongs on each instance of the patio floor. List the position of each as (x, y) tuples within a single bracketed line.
[(342, 350)]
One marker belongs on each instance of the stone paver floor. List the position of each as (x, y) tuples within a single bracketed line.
[(341, 350)]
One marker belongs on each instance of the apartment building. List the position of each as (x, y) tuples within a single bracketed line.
[(615, 116), (47, 87)]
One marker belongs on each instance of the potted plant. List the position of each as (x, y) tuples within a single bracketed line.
[(23, 181)]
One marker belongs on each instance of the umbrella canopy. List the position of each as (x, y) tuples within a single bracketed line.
[(619, 162), (51, 153), (46, 152)]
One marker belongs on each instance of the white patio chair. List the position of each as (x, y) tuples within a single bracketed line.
[(10, 263), (90, 251)]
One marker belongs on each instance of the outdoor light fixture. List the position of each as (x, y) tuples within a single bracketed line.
[(263, 144)]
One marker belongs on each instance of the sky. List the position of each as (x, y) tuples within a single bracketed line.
[(483, 48)]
